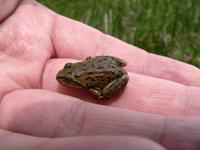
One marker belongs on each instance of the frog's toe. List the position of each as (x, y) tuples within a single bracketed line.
[(88, 58), (100, 97), (95, 92)]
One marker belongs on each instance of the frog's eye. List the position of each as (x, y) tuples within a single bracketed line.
[(68, 65)]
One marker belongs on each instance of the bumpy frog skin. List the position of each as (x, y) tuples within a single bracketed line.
[(103, 76)]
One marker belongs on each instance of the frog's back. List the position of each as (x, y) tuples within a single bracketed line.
[(96, 64), (107, 60), (97, 72)]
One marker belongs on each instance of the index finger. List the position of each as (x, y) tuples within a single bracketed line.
[(73, 39)]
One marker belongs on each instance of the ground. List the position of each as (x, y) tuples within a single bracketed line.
[(166, 27)]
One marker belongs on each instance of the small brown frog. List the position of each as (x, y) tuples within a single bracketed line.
[(103, 76)]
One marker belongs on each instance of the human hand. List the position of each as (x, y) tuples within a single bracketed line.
[(160, 105)]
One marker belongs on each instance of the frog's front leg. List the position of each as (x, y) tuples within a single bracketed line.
[(115, 87), (97, 92)]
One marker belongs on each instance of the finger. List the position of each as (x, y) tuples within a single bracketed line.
[(25, 45), (107, 142), (44, 113), (13, 141), (142, 93), (7, 8), (75, 40)]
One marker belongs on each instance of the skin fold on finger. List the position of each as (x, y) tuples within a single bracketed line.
[(75, 40), (13, 141), (143, 93), (56, 115), (7, 8)]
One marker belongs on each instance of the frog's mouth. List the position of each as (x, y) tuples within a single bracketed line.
[(61, 80), (67, 81), (60, 77)]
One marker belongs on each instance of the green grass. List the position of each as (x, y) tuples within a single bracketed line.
[(165, 27)]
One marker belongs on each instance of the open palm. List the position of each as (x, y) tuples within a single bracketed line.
[(35, 43)]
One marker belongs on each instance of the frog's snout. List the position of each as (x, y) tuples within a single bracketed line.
[(60, 75)]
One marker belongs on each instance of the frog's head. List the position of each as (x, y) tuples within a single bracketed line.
[(65, 77)]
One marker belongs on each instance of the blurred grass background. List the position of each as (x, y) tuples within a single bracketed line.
[(164, 27)]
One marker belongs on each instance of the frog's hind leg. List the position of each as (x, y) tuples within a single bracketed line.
[(115, 87)]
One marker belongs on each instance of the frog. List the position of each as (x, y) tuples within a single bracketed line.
[(103, 76)]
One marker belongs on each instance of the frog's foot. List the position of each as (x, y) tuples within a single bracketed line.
[(96, 92), (120, 62), (115, 86), (88, 58)]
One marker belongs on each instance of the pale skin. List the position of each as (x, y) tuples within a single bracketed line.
[(159, 108)]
